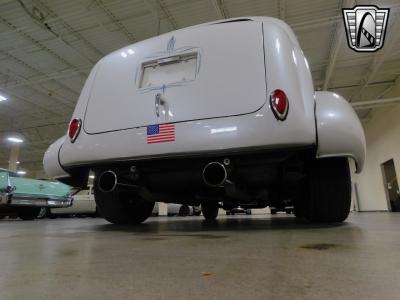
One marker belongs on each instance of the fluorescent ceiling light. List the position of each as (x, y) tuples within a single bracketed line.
[(21, 172), (91, 176), (3, 98), (14, 139)]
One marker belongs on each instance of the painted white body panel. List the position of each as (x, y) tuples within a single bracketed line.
[(227, 81), (50, 160), (225, 118), (83, 203), (339, 130)]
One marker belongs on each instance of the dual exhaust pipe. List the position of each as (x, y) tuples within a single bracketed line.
[(214, 174), (107, 181)]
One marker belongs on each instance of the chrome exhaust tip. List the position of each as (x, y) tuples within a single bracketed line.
[(215, 174), (107, 181)]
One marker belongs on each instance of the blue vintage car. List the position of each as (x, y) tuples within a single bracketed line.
[(25, 196)]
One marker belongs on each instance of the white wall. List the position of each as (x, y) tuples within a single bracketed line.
[(383, 143)]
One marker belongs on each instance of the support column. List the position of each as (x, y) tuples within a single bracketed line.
[(14, 154)]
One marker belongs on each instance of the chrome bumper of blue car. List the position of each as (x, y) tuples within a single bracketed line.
[(28, 200)]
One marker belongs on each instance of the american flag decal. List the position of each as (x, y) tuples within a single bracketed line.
[(160, 133)]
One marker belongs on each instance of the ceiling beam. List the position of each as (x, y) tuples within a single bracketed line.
[(117, 21), (43, 78), (218, 9), (336, 44), (307, 25), (33, 41), (282, 9), (375, 103), (37, 88), (391, 41), (155, 6), (70, 30)]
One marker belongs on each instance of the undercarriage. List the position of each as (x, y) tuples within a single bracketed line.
[(318, 189), (253, 180)]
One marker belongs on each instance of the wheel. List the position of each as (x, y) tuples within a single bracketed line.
[(288, 211), (2, 217), (43, 213), (248, 211), (325, 195), (197, 213), (273, 210), (210, 210), (184, 211), (122, 207), (196, 210), (28, 213), (228, 212)]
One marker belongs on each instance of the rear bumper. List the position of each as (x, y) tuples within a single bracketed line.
[(259, 130), (29, 200)]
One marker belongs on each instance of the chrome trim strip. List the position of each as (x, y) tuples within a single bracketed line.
[(22, 200)]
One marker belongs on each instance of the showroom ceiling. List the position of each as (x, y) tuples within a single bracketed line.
[(48, 48)]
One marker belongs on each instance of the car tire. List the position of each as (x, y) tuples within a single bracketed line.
[(326, 191), (228, 213), (248, 212), (273, 211), (2, 217), (184, 211), (122, 207), (210, 210), (43, 213), (28, 213)]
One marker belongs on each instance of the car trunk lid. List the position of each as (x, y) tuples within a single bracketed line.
[(202, 72)]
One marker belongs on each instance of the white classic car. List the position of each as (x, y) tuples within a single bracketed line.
[(83, 204), (221, 114), (181, 210)]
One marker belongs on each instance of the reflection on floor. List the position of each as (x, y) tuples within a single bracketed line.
[(237, 257)]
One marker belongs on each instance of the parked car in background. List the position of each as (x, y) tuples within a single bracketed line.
[(24, 196), (183, 210), (287, 209), (238, 210), (83, 204), (178, 210)]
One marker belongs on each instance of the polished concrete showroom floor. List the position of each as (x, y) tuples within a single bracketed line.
[(238, 257)]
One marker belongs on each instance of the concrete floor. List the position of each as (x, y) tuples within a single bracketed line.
[(240, 257)]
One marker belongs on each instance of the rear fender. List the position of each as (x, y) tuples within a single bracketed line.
[(339, 130), (51, 162)]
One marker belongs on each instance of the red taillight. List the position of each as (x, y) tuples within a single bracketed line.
[(279, 104), (73, 129)]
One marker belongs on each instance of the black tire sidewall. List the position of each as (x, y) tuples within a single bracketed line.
[(120, 207), (210, 210), (28, 213), (326, 194)]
